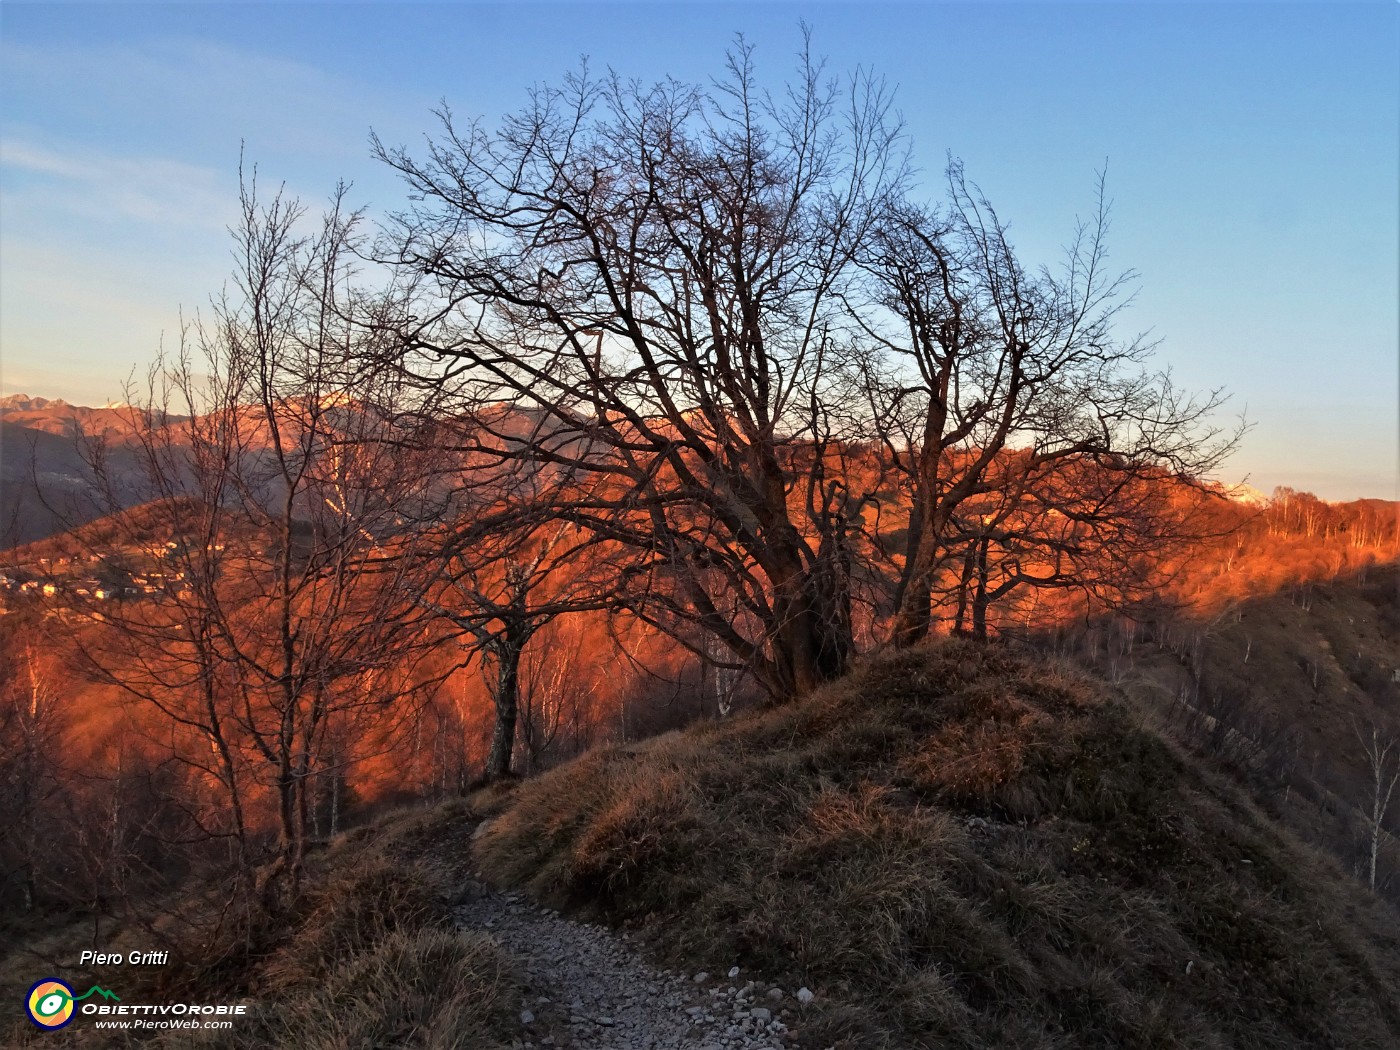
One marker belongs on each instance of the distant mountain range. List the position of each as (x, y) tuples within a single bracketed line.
[(48, 449), (46, 481), (25, 403), (47, 484), (55, 416)]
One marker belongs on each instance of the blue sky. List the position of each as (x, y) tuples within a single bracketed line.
[(1253, 159)]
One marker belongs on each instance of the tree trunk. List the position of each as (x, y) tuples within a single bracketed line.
[(980, 600), (335, 805), (302, 788), (809, 649), (831, 590), (914, 596), (286, 807), (965, 589), (507, 703)]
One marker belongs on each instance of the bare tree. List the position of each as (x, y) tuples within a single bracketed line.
[(973, 358), (1111, 532), (499, 589), (558, 693), (287, 501), (649, 276), (1383, 764)]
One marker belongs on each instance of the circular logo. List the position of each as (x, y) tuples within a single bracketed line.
[(50, 1003)]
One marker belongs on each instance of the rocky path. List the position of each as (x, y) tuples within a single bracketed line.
[(588, 989)]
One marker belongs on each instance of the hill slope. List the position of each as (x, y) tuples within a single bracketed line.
[(1282, 688), (48, 485), (962, 847)]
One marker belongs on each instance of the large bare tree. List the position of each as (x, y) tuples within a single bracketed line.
[(649, 275), (707, 307)]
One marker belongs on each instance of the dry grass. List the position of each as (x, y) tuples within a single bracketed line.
[(373, 960), (367, 958), (962, 848), (402, 873), (429, 989)]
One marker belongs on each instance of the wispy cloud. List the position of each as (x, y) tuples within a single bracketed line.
[(206, 96), (43, 181), (119, 176)]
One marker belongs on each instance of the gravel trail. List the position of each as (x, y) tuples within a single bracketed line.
[(588, 989)]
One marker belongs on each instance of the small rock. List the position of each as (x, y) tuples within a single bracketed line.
[(776, 994), (804, 995), (761, 1013), (701, 977), (733, 972), (606, 1022), (526, 1017)]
